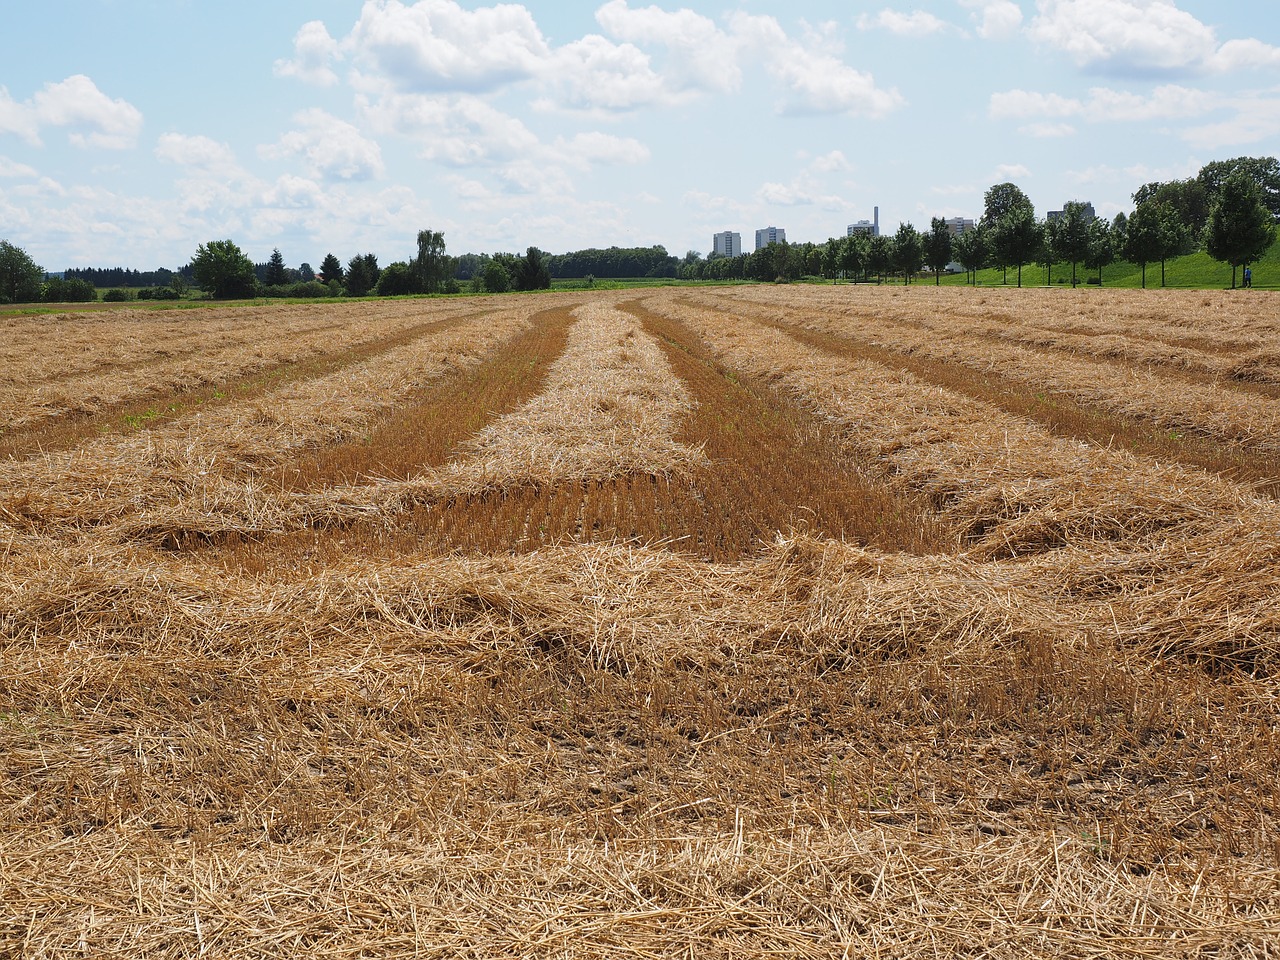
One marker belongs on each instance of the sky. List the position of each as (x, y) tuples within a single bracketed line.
[(131, 131)]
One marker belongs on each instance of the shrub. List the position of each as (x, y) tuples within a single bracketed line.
[(75, 290), (116, 295)]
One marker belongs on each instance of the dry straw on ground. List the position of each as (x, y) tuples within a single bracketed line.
[(1060, 742), (1210, 404)]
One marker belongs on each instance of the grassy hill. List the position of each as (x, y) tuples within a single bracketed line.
[(1195, 271)]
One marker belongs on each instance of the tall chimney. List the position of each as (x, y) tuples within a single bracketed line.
[(876, 221)]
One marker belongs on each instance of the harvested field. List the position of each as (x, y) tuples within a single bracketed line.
[(661, 624)]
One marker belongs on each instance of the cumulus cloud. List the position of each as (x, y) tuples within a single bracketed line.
[(700, 56), (1102, 105), (314, 51), (1251, 118), (1010, 171), (331, 149), (1142, 37), (12, 169), (436, 45), (814, 81), (1244, 55), (457, 130), (917, 23), (586, 150), (91, 118), (197, 153), (995, 19), (595, 73), (1048, 130)]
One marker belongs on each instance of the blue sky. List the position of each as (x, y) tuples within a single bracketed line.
[(133, 130)]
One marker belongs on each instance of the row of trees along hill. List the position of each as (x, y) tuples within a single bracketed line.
[(1228, 210)]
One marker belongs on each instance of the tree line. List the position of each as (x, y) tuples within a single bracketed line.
[(1229, 209)]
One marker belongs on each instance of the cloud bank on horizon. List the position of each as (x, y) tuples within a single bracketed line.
[(614, 123)]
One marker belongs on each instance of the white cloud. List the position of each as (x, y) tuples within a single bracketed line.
[(91, 118), (1169, 102), (1010, 171), (996, 19), (917, 23), (816, 82), (455, 130), (1256, 119), (1244, 55), (331, 148), (700, 56), (10, 168), (197, 152), (596, 74), (436, 45), (589, 149), (1131, 36), (1047, 130), (832, 162), (314, 51)]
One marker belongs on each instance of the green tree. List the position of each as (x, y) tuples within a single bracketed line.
[(938, 248), (1143, 242), (223, 271), (1187, 198), (331, 268), (69, 290), (1263, 171), (397, 280), (1175, 236), (431, 266), (305, 273), (21, 278), (276, 275), (1050, 247), (1071, 236), (1006, 210), (853, 255), (1017, 238), (1100, 249), (879, 256), (531, 272), (495, 277), (971, 251), (907, 251), (1240, 226), (362, 274)]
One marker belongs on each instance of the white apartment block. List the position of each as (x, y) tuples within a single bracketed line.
[(960, 225), (727, 244), (770, 235)]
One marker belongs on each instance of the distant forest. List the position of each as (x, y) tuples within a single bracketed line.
[(102, 277)]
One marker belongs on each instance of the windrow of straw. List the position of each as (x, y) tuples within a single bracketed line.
[(610, 408), (1224, 335), (826, 751), (86, 363), (218, 464), (1173, 401), (1012, 488)]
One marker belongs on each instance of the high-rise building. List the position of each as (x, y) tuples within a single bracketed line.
[(727, 244), (959, 225), (1089, 214), (870, 227), (770, 235)]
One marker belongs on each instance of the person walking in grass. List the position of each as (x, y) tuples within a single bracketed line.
[(1248, 277)]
